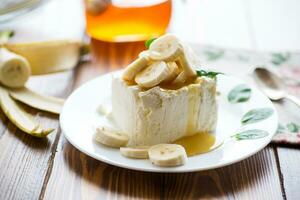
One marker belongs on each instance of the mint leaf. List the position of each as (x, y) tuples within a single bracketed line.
[(210, 74), (294, 128), (251, 134), (240, 93), (149, 42), (256, 115), (279, 58), (214, 54)]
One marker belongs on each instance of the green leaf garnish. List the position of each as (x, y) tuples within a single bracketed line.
[(279, 58), (294, 128), (250, 134), (149, 42), (210, 74), (256, 115), (240, 93), (5, 35), (214, 54)]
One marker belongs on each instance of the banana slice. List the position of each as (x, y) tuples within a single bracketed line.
[(35, 100), (19, 117), (181, 79), (165, 48), (187, 64), (153, 74), (144, 54), (134, 68), (139, 152), (14, 69), (50, 56), (110, 137), (174, 71), (167, 155)]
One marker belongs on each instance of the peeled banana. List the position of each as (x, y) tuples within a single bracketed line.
[(14, 69), (167, 155), (35, 100), (110, 137), (50, 56), (153, 74), (139, 152), (134, 68), (19, 117)]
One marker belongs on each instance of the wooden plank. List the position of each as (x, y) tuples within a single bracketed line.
[(24, 159), (289, 167), (77, 176), (253, 178), (288, 157)]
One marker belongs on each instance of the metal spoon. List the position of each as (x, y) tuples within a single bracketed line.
[(272, 85)]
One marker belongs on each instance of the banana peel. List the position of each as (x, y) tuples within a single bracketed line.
[(50, 56), (46, 103), (18, 116)]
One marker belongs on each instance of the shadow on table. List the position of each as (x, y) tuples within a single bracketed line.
[(113, 181)]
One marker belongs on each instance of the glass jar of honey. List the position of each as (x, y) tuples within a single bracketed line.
[(127, 20)]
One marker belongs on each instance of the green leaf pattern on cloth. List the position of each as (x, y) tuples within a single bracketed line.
[(214, 54), (279, 58), (239, 63)]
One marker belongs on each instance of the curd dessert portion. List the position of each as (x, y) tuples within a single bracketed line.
[(159, 98), (159, 115)]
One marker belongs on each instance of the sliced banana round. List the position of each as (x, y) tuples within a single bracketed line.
[(134, 68), (181, 79), (139, 152), (166, 48), (187, 64), (144, 54), (167, 155), (174, 71), (14, 69), (153, 75), (110, 137)]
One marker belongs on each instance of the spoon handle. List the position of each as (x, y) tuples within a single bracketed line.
[(293, 99)]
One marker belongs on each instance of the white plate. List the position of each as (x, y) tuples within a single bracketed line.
[(79, 117)]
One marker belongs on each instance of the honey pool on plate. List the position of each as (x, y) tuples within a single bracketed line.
[(199, 143), (129, 20)]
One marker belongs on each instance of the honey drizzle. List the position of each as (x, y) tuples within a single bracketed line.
[(199, 143)]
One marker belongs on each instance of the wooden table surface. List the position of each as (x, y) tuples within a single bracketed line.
[(52, 168)]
